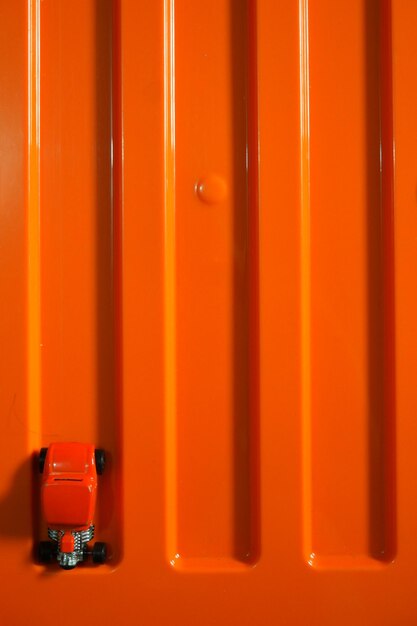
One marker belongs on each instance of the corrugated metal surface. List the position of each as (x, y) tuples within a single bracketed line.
[(208, 235)]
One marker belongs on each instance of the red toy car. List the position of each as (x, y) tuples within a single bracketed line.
[(69, 490)]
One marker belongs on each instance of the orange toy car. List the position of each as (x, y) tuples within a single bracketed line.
[(69, 490)]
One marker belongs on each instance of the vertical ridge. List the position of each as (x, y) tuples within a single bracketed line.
[(33, 231), (305, 272), (253, 278), (169, 195), (117, 182)]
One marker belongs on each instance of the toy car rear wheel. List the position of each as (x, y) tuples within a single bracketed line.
[(99, 552), (100, 458), (42, 457), (46, 551)]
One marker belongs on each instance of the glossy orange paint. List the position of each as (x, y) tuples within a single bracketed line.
[(207, 266), (67, 542), (69, 486)]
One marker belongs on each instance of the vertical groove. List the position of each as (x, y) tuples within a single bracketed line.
[(363, 448), (305, 272), (33, 234), (211, 366), (169, 195), (388, 226)]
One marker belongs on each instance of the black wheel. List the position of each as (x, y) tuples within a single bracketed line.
[(46, 551), (42, 457), (99, 552), (100, 458)]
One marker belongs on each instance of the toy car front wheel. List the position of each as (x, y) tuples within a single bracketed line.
[(100, 458), (46, 551), (42, 457), (99, 552)]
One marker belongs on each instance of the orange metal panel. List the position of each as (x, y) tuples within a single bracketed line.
[(350, 411), (207, 268)]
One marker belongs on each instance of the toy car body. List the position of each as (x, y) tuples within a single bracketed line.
[(69, 493)]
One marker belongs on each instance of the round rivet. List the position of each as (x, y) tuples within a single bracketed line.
[(211, 189)]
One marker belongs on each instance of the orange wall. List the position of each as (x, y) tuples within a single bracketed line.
[(207, 267)]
